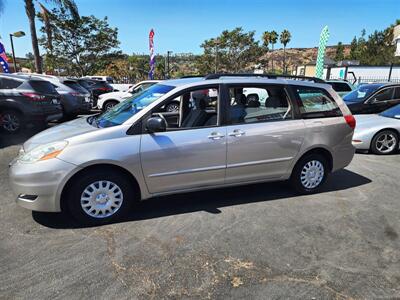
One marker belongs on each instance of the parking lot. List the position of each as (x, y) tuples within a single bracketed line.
[(253, 241)]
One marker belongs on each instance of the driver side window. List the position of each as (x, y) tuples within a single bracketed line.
[(197, 108), (386, 94)]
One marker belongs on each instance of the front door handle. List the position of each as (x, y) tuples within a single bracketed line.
[(215, 136), (237, 132)]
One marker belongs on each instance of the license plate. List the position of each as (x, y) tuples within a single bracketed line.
[(55, 101), (87, 99)]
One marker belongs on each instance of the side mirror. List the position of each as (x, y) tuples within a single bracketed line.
[(156, 124)]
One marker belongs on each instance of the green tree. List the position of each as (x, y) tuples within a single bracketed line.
[(377, 49), (285, 38), (273, 40), (233, 50), (31, 13), (82, 46), (339, 52), (266, 37)]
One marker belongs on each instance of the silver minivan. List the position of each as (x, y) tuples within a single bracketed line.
[(97, 167)]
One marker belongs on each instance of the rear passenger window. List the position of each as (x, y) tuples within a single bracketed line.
[(340, 86), (258, 104), (316, 103), (6, 83)]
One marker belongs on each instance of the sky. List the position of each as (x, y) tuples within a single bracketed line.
[(182, 25)]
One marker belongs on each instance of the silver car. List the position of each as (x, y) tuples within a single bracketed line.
[(97, 167), (378, 133)]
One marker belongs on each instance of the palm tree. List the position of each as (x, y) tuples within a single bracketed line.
[(273, 38), (285, 39), (266, 37), (30, 12)]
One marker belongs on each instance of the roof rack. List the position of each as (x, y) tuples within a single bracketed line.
[(190, 76), (270, 76)]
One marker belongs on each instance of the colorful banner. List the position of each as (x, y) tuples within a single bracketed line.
[(152, 56), (323, 40), (3, 59)]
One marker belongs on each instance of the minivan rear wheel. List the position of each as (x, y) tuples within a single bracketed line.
[(100, 197), (309, 174), (11, 121)]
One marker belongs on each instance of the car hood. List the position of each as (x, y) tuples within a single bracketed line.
[(59, 133), (115, 95), (374, 121)]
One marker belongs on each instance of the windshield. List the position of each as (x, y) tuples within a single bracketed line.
[(131, 106), (393, 112), (361, 93)]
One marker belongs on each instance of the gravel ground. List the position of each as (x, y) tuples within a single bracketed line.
[(258, 241)]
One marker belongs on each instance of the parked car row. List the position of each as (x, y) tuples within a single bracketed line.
[(25, 98)]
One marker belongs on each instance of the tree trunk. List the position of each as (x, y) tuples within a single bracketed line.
[(272, 58), (30, 12), (284, 59)]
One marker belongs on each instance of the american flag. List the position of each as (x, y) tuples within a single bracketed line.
[(152, 56), (3, 59)]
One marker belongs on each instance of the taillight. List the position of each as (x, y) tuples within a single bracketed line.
[(34, 96), (351, 121), (104, 89)]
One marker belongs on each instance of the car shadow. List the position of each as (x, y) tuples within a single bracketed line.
[(210, 201)]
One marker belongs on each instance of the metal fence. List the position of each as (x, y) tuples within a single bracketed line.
[(368, 79)]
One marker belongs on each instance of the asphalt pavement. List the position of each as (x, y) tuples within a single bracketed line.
[(257, 241)]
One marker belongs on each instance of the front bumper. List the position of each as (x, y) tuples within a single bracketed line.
[(37, 186)]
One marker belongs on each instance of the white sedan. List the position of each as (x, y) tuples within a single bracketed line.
[(378, 133), (109, 100)]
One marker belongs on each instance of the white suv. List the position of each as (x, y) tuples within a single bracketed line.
[(108, 100)]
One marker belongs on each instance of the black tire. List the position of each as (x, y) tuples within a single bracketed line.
[(81, 183), (11, 121), (109, 104), (172, 107), (296, 180), (377, 146)]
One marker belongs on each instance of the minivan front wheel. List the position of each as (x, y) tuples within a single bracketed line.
[(100, 197), (309, 174)]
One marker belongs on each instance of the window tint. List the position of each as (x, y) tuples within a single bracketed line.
[(397, 93), (75, 86), (198, 108), (258, 104), (42, 86), (315, 102), (386, 94), (6, 83), (340, 86)]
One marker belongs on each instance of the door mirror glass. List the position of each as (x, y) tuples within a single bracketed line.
[(156, 124)]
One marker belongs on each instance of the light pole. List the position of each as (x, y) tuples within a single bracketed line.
[(17, 35), (168, 53)]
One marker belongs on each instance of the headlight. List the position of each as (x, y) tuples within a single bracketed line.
[(43, 152)]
